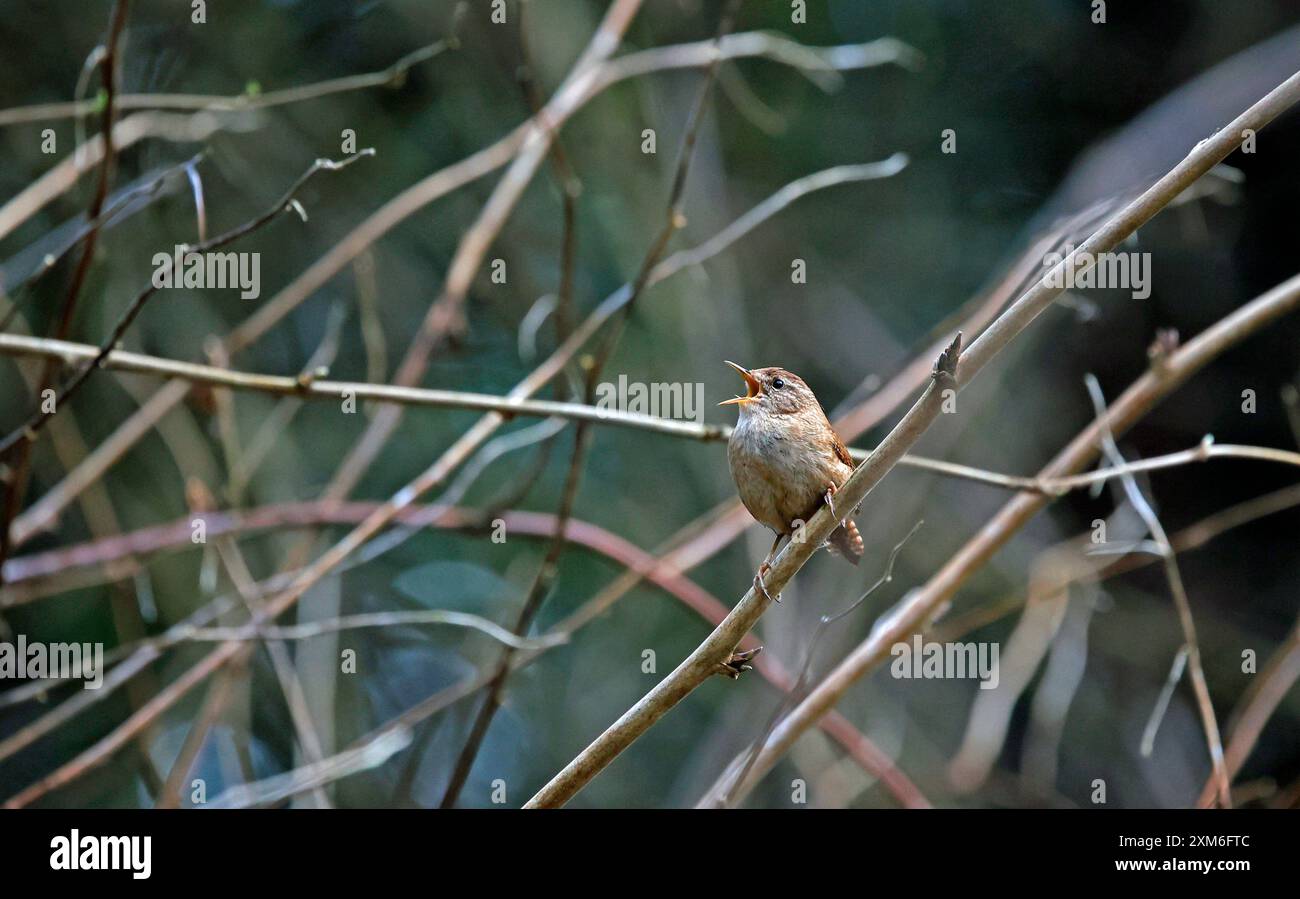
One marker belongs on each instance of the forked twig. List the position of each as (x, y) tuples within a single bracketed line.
[(720, 795), (1191, 646)]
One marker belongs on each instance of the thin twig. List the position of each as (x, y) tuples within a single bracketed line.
[(49, 261), (63, 176), (210, 712), (375, 619), (720, 796), (1262, 699), (38, 419), (305, 387), (315, 775), (393, 76), (1191, 645)]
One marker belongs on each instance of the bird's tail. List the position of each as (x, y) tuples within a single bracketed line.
[(847, 542)]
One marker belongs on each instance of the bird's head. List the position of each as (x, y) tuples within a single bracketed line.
[(772, 391)]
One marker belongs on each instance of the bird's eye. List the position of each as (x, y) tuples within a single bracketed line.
[(778, 383)]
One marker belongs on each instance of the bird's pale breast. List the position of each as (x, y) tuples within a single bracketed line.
[(780, 475)]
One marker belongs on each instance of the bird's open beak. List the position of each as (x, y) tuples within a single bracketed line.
[(751, 387)]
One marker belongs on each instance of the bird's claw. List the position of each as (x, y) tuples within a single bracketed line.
[(762, 587), (738, 664), (830, 502)]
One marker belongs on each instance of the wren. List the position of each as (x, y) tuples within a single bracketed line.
[(787, 460)]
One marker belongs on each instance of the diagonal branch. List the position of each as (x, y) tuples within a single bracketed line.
[(950, 372), (711, 532), (1265, 694), (923, 604)]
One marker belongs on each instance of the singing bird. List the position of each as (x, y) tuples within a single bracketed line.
[(786, 460)]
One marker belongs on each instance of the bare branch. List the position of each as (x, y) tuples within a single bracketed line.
[(392, 77), (315, 775), (1265, 694), (410, 201), (29, 431), (922, 604), (131, 660), (323, 389), (691, 672)]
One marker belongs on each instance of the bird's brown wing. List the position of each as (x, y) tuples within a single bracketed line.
[(842, 452), (845, 541)]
